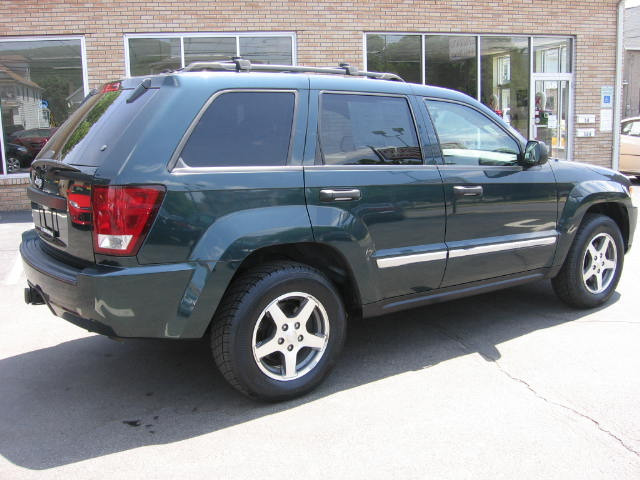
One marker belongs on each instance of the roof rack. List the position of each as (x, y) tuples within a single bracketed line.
[(239, 64)]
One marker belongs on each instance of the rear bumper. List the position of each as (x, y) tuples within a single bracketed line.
[(154, 301)]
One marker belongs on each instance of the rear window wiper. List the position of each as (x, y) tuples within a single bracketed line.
[(139, 90)]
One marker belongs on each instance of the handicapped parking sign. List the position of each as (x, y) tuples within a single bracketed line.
[(606, 97)]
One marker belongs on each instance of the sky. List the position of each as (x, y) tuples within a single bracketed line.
[(632, 3)]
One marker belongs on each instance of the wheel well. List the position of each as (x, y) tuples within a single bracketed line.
[(321, 257), (618, 214)]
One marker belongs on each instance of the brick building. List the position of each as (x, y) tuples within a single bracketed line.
[(548, 68), (631, 80)]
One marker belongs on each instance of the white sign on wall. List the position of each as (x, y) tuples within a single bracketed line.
[(606, 120), (585, 132)]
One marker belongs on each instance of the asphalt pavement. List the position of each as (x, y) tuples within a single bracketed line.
[(507, 385)]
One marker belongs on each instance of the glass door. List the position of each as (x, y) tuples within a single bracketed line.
[(551, 114)]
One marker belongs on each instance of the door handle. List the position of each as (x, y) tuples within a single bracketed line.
[(460, 191), (339, 194)]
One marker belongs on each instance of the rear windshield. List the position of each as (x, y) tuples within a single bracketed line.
[(99, 121)]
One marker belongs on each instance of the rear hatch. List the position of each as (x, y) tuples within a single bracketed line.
[(64, 189)]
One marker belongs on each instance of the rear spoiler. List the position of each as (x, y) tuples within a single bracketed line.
[(50, 168), (50, 165)]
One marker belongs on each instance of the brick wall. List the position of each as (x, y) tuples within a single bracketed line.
[(13, 194), (331, 31)]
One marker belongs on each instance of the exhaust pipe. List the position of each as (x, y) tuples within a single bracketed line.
[(33, 296)]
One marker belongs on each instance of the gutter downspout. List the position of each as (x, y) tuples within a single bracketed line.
[(617, 106)]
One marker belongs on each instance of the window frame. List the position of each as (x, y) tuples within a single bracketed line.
[(518, 142), (85, 85), (183, 35), (173, 167), (570, 76), (371, 94), (478, 37)]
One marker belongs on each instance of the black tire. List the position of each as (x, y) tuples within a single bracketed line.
[(570, 284), (242, 325), (13, 165)]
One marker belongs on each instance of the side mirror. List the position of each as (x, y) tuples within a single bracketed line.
[(535, 153)]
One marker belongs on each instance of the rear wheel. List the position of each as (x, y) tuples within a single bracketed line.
[(13, 165), (278, 331), (593, 265)]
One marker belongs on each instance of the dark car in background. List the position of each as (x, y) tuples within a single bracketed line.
[(18, 157), (263, 206), (33, 139)]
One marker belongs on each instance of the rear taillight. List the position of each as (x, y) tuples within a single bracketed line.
[(122, 217), (110, 87)]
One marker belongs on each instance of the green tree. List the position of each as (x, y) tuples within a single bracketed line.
[(55, 92)]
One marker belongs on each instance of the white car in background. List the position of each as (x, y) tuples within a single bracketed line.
[(630, 146)]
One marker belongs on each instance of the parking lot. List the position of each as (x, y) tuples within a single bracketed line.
[(511, 384)]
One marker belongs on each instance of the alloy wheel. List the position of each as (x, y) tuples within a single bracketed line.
[(290, 336), (599, 263)]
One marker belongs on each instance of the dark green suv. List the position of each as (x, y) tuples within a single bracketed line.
[(264, 208)]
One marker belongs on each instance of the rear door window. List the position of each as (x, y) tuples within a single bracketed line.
[(242, 129), (367, 130)]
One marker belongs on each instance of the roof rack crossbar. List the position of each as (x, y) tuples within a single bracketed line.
[(243, 65)]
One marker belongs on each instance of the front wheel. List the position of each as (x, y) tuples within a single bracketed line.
[(593, 265), (278, 331)]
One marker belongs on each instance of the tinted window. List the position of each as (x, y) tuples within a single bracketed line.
[(467, 137), (100, 120), (366, 130), (242, 129)]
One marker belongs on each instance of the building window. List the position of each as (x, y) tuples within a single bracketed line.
[(150, 54), (42, 81), (400, 54), (495, 70), (504, 79), (451, 61), (275, 50), (551, 55), (153, 55), (206, 49)]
